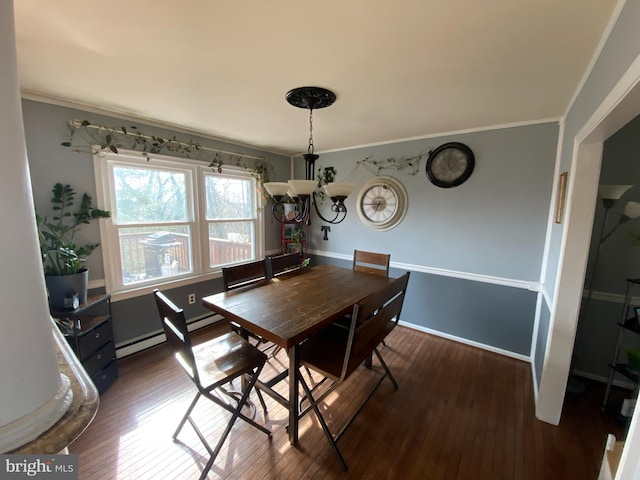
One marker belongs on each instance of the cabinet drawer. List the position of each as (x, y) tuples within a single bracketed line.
[(102, 379), (100, 358), (90, 342)]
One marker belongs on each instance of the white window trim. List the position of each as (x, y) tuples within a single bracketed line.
[(112, 265)]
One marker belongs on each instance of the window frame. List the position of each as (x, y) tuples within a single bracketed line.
[(196, 206)]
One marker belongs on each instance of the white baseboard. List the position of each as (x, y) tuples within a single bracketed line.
[(137, 345), (471, 343), (535, 382)]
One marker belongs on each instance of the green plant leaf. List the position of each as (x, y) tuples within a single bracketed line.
[(58, 249)]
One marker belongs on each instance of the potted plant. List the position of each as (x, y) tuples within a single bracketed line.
[(633, 360), (298, 238), (65, 274)]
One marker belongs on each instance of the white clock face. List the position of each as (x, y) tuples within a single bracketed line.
[(382, 203), (379, 203)]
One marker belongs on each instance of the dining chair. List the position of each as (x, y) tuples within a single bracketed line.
[(371, 262), (279, 265), (284, 263), (336, 352), (210, 365), (368, 262), (245, 275)]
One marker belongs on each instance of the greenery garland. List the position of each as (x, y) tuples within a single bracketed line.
[(114, 138), (378, 167)]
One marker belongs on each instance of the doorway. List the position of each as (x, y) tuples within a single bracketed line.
[(618, 108)]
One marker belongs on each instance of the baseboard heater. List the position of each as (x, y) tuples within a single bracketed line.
[(156, 338)]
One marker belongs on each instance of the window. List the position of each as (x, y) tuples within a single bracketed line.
[(173, 219)]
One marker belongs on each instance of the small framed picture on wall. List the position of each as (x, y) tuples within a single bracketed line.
[(562, 193)]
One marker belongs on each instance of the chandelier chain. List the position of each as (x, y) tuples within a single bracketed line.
[(310, 148)]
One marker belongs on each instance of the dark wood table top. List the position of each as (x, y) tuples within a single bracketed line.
[(289, 309)]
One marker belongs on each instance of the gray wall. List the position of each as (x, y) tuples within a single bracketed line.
[(460, 242), (494, 224), (491, 227), (619, 258), (495, 316), (621, 49)]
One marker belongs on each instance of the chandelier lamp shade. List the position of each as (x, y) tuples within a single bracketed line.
[(292, 200), (609, 194)]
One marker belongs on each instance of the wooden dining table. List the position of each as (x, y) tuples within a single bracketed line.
[(289, 309)]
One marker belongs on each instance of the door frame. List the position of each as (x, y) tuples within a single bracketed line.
[(621, 105)]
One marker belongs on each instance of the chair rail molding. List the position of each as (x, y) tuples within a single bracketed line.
[(475, 277)]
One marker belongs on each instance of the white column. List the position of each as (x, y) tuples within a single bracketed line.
[(32, 391)]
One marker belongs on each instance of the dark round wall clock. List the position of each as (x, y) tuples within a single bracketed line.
[(450, 165)]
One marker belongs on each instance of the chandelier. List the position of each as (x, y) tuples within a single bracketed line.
[(292, 200)]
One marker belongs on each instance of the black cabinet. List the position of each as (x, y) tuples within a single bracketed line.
[(89, 331)]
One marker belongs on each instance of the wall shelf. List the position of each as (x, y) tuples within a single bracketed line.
[(287, 241), (629, 323)]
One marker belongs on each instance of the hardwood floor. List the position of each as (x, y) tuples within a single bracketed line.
[(460, 413)]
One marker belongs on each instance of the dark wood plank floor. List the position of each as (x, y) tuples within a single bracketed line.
[(460, 413)]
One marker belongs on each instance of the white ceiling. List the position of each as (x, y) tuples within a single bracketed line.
[(400, 69)]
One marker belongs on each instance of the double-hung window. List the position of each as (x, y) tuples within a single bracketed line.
[(173, 220)]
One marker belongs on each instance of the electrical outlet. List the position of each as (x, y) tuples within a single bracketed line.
[(192, 298)]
